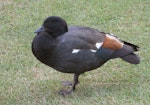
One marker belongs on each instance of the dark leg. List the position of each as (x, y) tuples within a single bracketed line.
[(75, 82)]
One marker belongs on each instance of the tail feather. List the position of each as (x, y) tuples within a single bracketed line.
[(125, 50), (126, 53), (131, 58)]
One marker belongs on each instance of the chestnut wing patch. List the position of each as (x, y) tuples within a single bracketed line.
[(111, 42)]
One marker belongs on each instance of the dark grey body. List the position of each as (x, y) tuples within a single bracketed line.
[(77, 49), (57, 52)]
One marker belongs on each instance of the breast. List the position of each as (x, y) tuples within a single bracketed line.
[(42, 48)]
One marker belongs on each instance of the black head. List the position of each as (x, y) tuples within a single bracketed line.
[(54, 25)]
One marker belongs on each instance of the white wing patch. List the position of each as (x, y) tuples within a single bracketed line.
[(98, 45), (93, 50), (111, 36), (75, 51)]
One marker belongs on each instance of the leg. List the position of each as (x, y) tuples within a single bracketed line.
[(75, 82), (68, 83)]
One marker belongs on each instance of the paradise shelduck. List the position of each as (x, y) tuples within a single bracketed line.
[(77, 49)]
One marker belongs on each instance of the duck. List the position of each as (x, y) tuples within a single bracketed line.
[(78, 49)]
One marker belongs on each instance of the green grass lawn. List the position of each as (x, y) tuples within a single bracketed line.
[(26, 81)]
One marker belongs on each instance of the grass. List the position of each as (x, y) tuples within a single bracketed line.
[(25, 81)]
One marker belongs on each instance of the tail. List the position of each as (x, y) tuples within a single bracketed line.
[(131, 58), (135, 47), (127, 53)]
